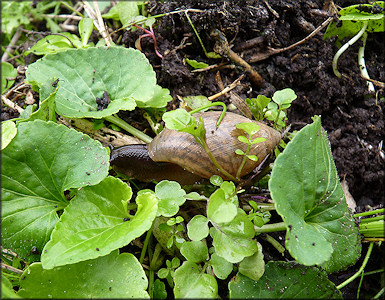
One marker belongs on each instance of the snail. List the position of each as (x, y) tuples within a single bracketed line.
[(177, 156)]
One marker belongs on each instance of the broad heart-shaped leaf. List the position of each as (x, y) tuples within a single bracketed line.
[(85, 74), (96, 222), (285, 280), (191, 282), (40, 163), (110, 276), (307, 194), (170, 196)]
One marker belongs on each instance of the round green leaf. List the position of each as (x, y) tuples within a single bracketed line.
[(197, 228), (111, 276), (7, 71), (170, 196), (253, 266), (222, 268), (285, 280), (41, 162), (190, 282), (195, 251)]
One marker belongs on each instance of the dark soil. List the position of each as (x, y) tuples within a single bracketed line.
[(352, 117)]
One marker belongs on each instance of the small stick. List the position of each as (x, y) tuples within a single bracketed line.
[(272, 51), (10, 268), (14, 39), (11, 104), (227, 89)]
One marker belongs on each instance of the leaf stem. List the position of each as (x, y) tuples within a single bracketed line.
[(358, 273), (145, 245), (218, 103), (275, 243), (243, 160), (196, 32), (368, 213), (346, 46), (362, 65), (270, 227), (127, 127)]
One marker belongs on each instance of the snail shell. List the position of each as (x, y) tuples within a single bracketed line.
[(181, 148)]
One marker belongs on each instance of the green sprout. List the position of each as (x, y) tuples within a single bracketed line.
[(357, 21)]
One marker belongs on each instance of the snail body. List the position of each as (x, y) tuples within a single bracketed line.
[(181, 149)]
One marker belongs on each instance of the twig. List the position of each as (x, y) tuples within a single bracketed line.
[(11, 104), (272, 51), (227, 89), (10, 268), (76, 18), (29, 32), (14, 39), (98, 21)]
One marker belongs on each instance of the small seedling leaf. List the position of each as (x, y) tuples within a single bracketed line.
[(7, 71), (222, 268), (253, 266), (96, 222), (233, 240), (197, 228), (285, 280), (285, 96), (243, 139), (307, 194), (195, 251), (111, 276), (86, 25), (177, 119), (239, 152), (191, 282), (252, 157), (170, 196), (220, 209), (41, 162), (196, 64)]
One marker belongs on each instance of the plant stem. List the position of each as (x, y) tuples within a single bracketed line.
[(196, 33), (270, 227), (215, 162), (362, 65), (145, 245), (276, 119), (368, 213), (243, 160), (275, 243), (346, 46), (127, 127), (346, 282), (218, 103)]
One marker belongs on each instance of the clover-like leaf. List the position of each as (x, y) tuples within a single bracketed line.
[(41, 162), (307, 194), (191, 282), (122, 277), (96, 222), (170, 196), (85, 74), (285, 280), (195, 251)]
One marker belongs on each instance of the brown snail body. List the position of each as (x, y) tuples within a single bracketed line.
[(180, 148)]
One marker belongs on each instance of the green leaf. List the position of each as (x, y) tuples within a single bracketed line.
[(170, 196), (233, 241), (252, 157), (111, 276), (41, 162), (46, 111), (190, 282), (96, 222), (127, 11), (195, 102), (249, 128), (253, 266), (285, 96), (8, 132), (197, 228), (159, 289), (177, 119), (86, 25), (7, 71), (195, 251), (240, 152), (220, 209), (222, 268), (85, 74), (195, 64), (307, 194), (352, 18), (54, 44), (285, 280), (243, 139)]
